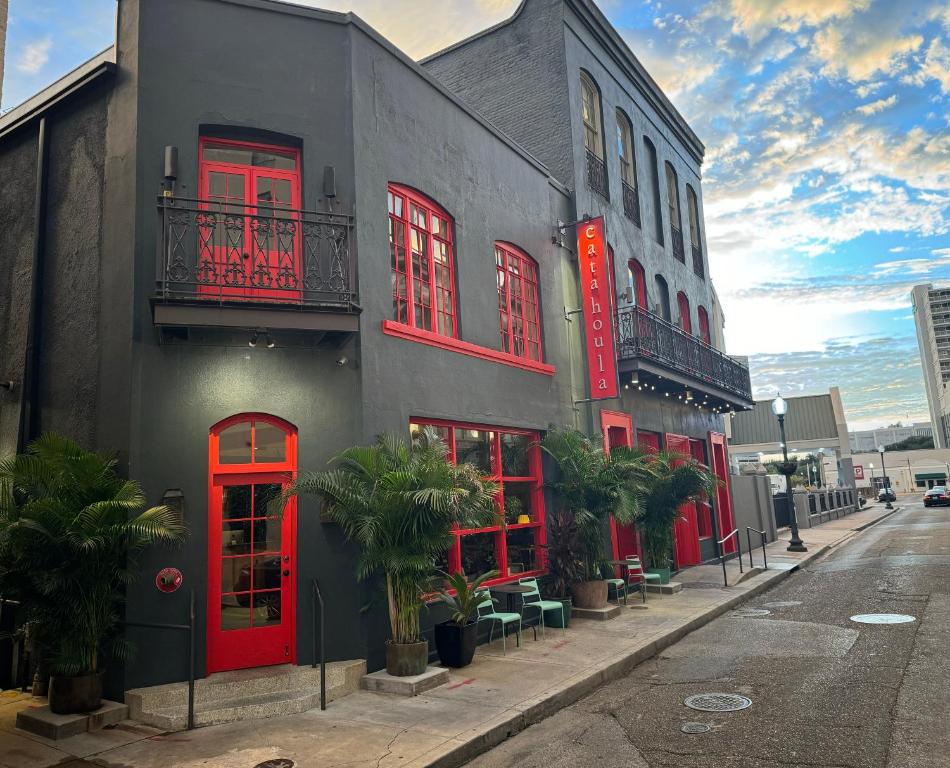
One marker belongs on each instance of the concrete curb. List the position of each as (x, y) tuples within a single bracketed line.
[(551, 702)]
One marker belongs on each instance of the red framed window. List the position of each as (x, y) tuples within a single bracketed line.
[(517, 278), (423, 268), (703, 325), (249, 241), (638, 281), (683, 303), (651, 442), (512, 458)]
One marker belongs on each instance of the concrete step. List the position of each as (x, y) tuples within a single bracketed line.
[(243, 695), (738, 578)]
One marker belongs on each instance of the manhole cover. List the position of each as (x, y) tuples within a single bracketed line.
[(783, 604), (279, 762), (746, 612), (717, 702), (883, 618), (695, 728)]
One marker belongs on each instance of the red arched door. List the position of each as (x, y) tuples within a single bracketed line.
[(251, 545), (686, 549)]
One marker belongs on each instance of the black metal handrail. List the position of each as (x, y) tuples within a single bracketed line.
[(224, 252), (317, 600), (764, 535), (597, 174), (631, 203), (722, 557), (190, 629), (642, 334)]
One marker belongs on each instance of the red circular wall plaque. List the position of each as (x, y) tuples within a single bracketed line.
[(168, 579)]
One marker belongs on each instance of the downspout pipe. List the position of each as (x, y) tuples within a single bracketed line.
[(29, 426)]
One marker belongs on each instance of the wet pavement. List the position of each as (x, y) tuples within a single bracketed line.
[(825, 691)]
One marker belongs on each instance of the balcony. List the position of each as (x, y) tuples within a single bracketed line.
[(648, 343), (631, 203), (678, 250), (597, 175), (241, 266), (698, 262)]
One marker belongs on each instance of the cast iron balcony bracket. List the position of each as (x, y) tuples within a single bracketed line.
[(208, 251), (631, 203), (597, 175), (643, 335)]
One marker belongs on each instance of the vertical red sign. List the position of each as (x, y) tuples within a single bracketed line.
[(598, 316)]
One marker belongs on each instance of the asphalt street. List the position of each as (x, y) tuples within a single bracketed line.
[(825, 691)]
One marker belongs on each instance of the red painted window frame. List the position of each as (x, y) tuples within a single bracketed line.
[(704, 324), (431, 208), (285, 472), (530, 316), (205, 167), (638, 277), (682, 303), (537, 492), (651, 442)]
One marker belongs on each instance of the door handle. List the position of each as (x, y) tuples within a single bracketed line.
[(286, 572)]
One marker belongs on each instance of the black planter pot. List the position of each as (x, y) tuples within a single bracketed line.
[(75, 694), (406, 659), (456, 644)]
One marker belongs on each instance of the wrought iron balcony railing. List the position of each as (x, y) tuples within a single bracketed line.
[(677, 238), (698, 262), (631, 203), (597, 174), (641, 334), (229, 252)]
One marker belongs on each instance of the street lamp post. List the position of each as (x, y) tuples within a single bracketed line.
[(780, 408), (887, 489)]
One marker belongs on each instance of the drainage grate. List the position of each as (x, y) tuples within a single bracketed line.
[(883, 618), (717, 702), (695, 728), (742, 613), (278, 762)]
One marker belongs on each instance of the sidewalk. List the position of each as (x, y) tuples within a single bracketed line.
[(497, 696)]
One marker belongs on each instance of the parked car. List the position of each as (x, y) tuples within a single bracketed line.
[(886, 494), (937, 497)]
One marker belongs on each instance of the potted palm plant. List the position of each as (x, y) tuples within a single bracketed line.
[(399, 501), (592, 485), (456, 638), (673, 480), (70, 530), (564, 565)]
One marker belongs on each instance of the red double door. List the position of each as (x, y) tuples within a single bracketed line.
[(686, 547)]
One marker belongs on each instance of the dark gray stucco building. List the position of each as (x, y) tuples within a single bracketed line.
[(224, 267)]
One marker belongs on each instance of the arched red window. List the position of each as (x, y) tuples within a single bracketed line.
[(423, 268), (703, 325), (638, 281), (683, 304), (517, 278)]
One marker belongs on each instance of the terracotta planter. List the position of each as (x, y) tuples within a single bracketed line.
[(456, 644), (590, 594), (75, 695), (406, 659)]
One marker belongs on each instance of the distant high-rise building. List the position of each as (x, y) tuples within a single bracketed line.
[(872, 439), (932, 317)]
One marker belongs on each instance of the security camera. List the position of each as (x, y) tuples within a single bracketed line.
[(341, 361)]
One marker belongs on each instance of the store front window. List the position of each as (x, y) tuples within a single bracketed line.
[(512, 458)]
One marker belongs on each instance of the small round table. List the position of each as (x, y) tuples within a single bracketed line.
[(510, 590)]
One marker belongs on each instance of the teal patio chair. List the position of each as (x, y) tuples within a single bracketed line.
[(616, 585), (635, 571), (535, 601), (487, 612)]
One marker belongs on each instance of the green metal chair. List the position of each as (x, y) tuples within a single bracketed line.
[(534, 600), (635, 570), (486, 612), (616, 585)]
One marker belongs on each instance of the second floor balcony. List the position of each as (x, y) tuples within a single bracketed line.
[(677, 238), (236, 265), (597, 175), (631, 203), (650, 344), (698, 262)]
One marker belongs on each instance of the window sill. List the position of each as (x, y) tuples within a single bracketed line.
[(399, 330)]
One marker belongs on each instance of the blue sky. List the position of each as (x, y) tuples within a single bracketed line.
[(827, 177)]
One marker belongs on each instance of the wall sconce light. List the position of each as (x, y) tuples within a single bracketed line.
[(174, 499)]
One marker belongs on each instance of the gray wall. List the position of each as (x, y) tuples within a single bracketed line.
[(752, 506), (810, 417)]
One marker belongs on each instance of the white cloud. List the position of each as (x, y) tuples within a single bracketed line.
[(34, 56), (755, 18), (880, 105), (862, 52), (935, 66)]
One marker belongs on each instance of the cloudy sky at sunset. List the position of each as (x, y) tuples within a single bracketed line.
[(827, 176)]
